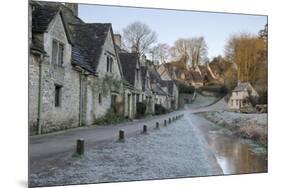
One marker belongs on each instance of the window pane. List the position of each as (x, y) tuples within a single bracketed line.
[(111, 62), (107, 64), (57, 96), (61, 49), (54, 52), (100, 98)]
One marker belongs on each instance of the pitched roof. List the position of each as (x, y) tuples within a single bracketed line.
[(129, 63), (243, 86), (170, 86), (88, 39), (156, 79), (143, 75), (158, 90), (154, 75), (216, 67), (42, 15), (196, 76)]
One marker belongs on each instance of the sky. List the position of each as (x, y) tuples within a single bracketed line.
[(170, 25)]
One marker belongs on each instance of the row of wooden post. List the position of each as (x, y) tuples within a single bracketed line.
[(80, 142), (144, 131)]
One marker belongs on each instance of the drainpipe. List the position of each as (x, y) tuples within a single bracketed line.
[(80, 99), (81, 93), (39, 125)]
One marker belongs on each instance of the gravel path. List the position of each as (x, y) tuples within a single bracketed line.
[(46, 146), (177, 150)]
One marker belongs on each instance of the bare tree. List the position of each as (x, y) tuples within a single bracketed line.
[(201, 50), (160, 53), (180, 50), (138, 37), (193, 50)]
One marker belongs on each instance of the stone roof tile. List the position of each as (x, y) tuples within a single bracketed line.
[(129, 63), (88, 39)]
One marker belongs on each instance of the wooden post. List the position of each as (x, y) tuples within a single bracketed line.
[(121, 135), (144, 129), (157, 125), (80, 146)]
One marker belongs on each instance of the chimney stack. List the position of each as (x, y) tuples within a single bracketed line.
[(117, 40), (73, 7)]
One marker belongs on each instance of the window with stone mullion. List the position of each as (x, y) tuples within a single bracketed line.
[(60, 55), (54, 52), (57, 53)]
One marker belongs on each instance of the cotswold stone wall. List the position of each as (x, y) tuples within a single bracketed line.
[(176, 96), (33, 85), (128, 104), (89, 101), (108, 49), (66, 115), (102, 108)]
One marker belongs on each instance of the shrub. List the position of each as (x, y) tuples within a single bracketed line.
[(252, 100), (255, 132), (183, 88), (262, 98), (110, 118), (218, 89)]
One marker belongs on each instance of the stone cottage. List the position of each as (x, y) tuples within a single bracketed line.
[(171, 89), (240, 95), (132, 74), (168, 86), (160, 96), (163, 72), (53, 82), (74, 71), (147, 95), (79, 73), (94, 44)]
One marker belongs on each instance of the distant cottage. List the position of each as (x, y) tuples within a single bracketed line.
[(240, 95)]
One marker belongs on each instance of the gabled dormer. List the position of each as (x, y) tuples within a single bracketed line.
[(49, 33), (131, 69), (94, 44), (163, 72)]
